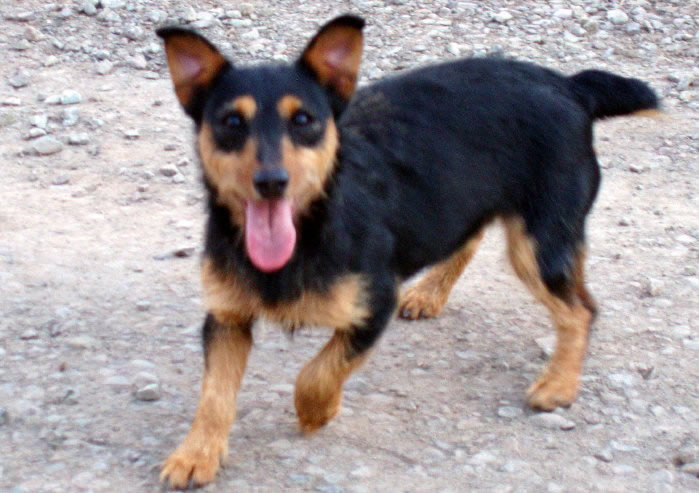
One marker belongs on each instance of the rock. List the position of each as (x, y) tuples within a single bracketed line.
[(691, 468), (138, 61), (510, 412), (71, 116), (502, 17), (546, 344), (623, 469), (131, 134), (552, 421), (81, 342), (653, 287), (104, 67), (118, 382), (169, 170), (70, 96), (18, 80), (563, 13), (605, 455), (88, 8), (149, 392), (482, 458), (78, 139), (47, 145), (617, 17), (620, 380), (143, 306), (61, 180)]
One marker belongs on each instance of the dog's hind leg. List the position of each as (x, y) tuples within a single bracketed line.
[(427, 298), (558, 384), (227, 342)]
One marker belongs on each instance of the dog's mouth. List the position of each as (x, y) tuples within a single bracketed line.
[(270, 234)]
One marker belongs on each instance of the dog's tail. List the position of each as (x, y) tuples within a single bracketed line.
[(604, 94)]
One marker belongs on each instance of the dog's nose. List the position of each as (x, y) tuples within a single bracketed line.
[(271, 182)]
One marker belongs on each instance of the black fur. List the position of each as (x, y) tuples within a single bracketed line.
[(426, 159)]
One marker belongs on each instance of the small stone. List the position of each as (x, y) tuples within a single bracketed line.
[(563, 13), (546, 344), (605, 455), (622, 379), (47, 145), (482, 458), (40, 121), (663, 476), (131, 134), (71, 116), (118, 382), (552, 421), (623, 469), (4, 417), (21, 45), (104, 67), (691, 468), (18, 80), (510, 412), (653, 287), (81, 342), (70, 96), (184, 252), (143, 306), (633, 28), (61, 180), (502, 17), (36, 132), (168, 170), (624, 221), (79, 139), (11, 101), (362, 472), (88, 8), (138, 61), (134, 33), (148, 392), (617, 17), (32, 34)]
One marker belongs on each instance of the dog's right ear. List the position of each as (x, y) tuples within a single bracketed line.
[(194, 63)]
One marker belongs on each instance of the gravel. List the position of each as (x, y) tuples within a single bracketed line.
[(100, 243)]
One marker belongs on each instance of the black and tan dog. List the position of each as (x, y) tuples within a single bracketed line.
[(322, 200)]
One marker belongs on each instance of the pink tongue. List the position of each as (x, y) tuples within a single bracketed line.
[(270, 235)]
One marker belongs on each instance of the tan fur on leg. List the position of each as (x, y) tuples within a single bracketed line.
[(558, 383), (427, 298), (199, 456), (319, 384), (581, 290)]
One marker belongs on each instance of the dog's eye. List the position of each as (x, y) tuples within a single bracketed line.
[(234, 121), (301, 118)]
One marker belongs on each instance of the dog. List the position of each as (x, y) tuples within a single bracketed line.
[(323, 198)]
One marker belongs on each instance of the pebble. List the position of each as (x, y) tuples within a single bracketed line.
[(605, 455), (118, 382), (143, 306), (4, 416), (502, 17), (552, 421), (70, 96), (623, 469), (61, 180), (620, 380), (653, 287), (18, 80), (510, 412), (691, 468), (483, 458), (131, 134), (47, 145), (169, 170), (617, 17), (81, 342), (546, 344), (149, 392), (104, 67), (78, 139), (71, 116)]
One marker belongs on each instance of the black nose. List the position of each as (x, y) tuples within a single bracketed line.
[(271, 182)]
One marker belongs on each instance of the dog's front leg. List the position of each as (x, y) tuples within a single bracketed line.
[(318, 393), (227, 340)]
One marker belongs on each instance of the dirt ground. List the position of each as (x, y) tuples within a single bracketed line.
[(101, 218)]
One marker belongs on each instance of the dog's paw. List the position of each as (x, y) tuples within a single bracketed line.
[(313, 413), (417, 302), (193, 464), (552, 390)]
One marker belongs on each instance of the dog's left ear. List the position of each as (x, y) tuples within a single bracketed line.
[(334, 54)]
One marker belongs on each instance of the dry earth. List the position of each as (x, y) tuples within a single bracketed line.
[(100, 229)]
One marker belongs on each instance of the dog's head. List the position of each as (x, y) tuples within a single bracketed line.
[(266, 135)]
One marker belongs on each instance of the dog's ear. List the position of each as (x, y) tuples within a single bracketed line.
[(334, 54), (194, 63)]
